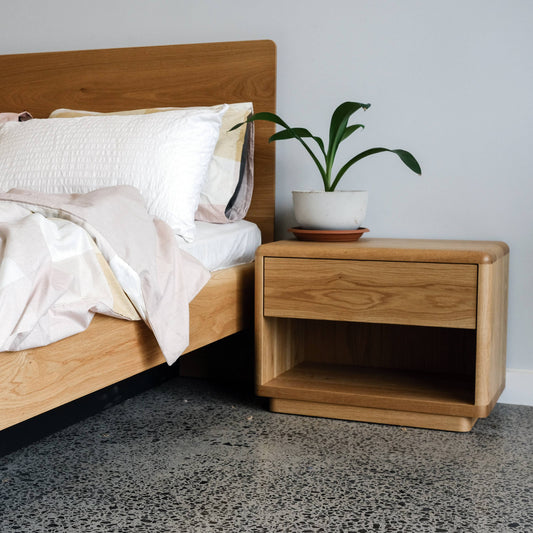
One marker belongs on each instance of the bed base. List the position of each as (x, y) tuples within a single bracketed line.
[(111, 350)]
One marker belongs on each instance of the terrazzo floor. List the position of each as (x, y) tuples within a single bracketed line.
[(193, 456)]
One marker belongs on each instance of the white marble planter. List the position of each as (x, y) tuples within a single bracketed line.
[(336, 210)]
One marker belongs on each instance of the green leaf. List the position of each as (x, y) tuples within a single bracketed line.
[(340, 118), (265, 115), (405, 156), (350, 129), (409, 160), (292, 134), (337, 129), (271, 117)]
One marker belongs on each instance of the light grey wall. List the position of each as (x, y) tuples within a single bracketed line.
[(451, 81)]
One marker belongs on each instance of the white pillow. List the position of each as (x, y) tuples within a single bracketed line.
[(227, 191), (164, 155)]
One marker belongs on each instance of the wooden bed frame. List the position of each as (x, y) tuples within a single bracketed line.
[(35, 381)]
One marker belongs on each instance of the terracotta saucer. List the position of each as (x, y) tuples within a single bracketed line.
[(320, 235)]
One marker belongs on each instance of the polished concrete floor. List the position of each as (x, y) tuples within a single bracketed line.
[(193, 456)]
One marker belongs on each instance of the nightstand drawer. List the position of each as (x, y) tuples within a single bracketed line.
[(389, 292)]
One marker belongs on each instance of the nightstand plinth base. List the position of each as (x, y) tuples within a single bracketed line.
[(369, 414)]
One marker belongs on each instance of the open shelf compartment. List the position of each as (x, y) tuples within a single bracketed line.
[(407, 368), (377, 388)]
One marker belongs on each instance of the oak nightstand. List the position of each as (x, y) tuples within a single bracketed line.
[(394, 331)]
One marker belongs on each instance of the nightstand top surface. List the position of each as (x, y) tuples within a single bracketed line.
[(422, 250)]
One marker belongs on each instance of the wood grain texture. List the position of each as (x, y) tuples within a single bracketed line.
[(369, 414), (223, 307), (400, 292), (492, 332), (34, 381), (272, 336), (369, 387), (110, 350), (412, 250), (37, 380), (390, 346)]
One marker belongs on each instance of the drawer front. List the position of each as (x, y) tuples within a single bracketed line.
[(423, 294)]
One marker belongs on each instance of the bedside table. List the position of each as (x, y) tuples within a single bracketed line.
[(394, 331)]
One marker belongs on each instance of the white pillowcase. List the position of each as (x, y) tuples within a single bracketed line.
[(227, 191), (164, 155)]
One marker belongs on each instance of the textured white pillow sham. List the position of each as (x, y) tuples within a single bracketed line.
[(164, 155), (227, 191)]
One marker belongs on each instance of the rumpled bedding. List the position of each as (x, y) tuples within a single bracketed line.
[(64, 257)]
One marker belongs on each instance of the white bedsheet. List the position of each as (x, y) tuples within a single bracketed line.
[(219, 246)]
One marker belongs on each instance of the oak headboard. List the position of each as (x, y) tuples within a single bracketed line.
[(155, 76)]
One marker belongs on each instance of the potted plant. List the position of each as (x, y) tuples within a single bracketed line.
[(330, 209)]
